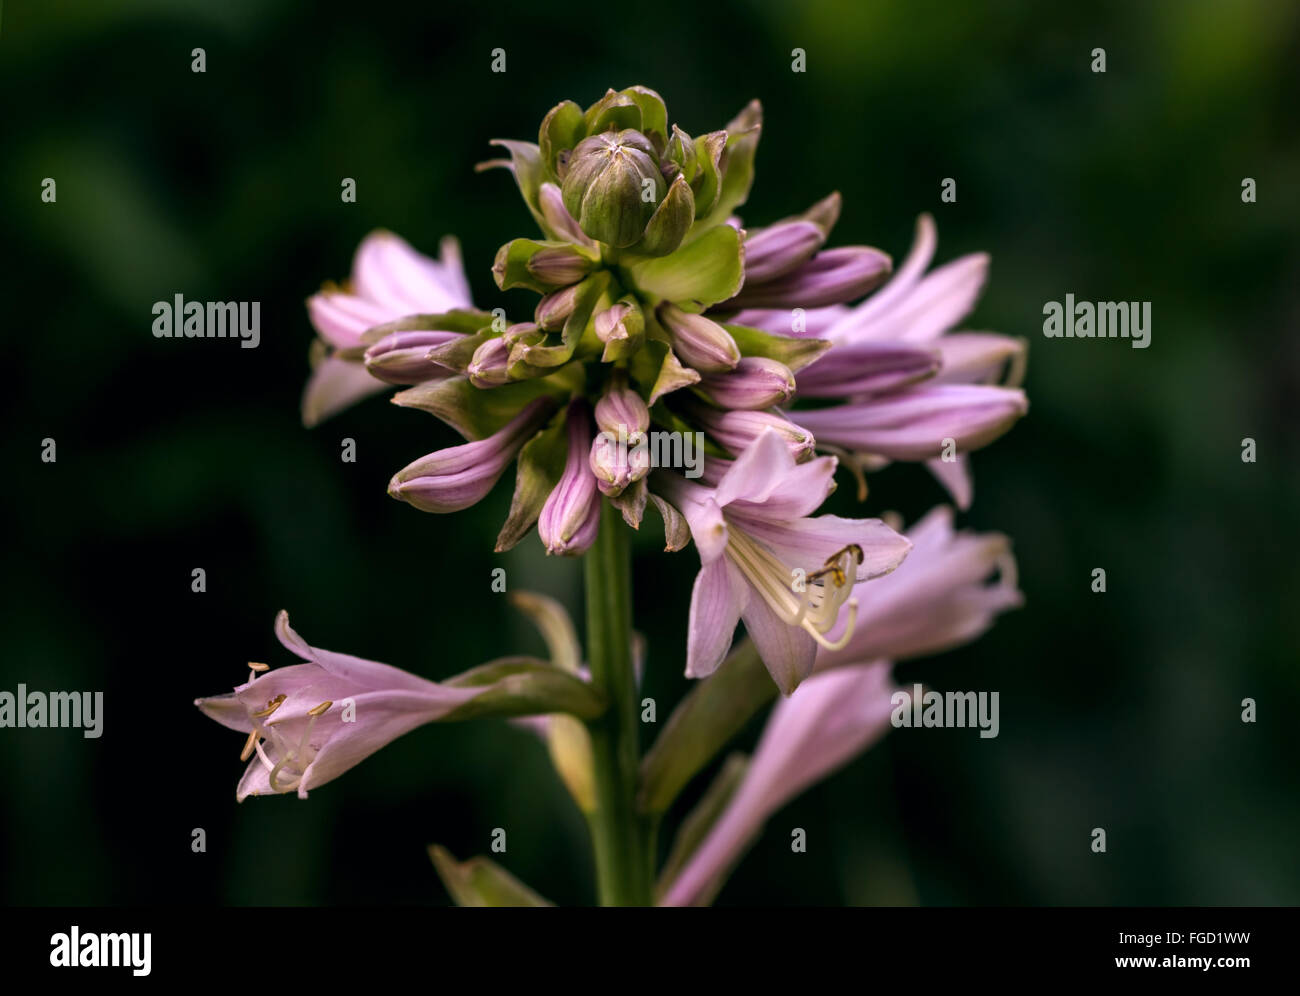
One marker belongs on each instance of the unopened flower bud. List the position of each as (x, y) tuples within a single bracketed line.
[(571, 516), (618, 460), (555, 308), (681, 152), (831, 277), (488, 367), (622, 409), (770, 252), (557, 215), (403, 357), (699, 342), (609, 323), (735, 430), (613, 186), (559, 266), (756, 383), (451, 479)]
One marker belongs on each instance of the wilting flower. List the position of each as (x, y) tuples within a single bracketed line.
[(765, 561), (390, 280), (308, 723), (829, 720)]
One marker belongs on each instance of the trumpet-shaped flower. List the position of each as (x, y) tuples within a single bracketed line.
[(764, 560), (828, 721), (310, 722)]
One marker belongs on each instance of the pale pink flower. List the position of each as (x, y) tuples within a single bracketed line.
[(946, 593), (911, 388), (830, 719), (390, 280), (764, 560), (309, 723)]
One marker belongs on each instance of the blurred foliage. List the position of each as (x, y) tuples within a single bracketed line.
[(1118, 710)]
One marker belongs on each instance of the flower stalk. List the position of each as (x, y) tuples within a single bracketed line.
[(620, 836)]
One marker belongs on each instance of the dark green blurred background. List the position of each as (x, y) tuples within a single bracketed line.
[(1119, 710)]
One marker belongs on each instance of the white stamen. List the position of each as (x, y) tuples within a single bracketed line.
[(296, 759), (817, 608)]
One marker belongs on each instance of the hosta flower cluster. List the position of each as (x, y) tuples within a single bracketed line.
[(660, 313)]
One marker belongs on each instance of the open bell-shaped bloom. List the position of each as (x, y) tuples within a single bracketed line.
[(309, 723), (389, 281), (828, 721), (764, 560)]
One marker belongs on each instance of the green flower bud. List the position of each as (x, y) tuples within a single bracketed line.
[(613, 185), (671, 221), (542, 266), (681, 152)]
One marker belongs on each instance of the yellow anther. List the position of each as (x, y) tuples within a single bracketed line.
[(320, 709), (250, 745), (254, 665), (271, 706)]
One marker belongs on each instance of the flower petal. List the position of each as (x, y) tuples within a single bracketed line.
[(830, 720), (363, 673), (788, 652), (913, 424), (807, 543), (717, 599), (336, 384), (955, 476), (392, 274)]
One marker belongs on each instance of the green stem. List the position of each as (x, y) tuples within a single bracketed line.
[(623, 863)]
